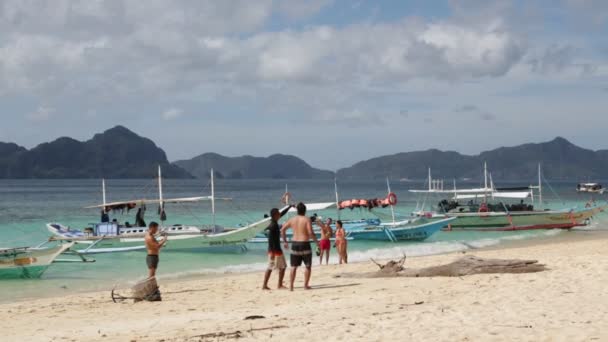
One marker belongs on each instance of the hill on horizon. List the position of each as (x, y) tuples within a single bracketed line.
[(276, 166), (120, 153), (560, 160), (115, 153)]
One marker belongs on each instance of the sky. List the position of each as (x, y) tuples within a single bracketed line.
[(331, 81)]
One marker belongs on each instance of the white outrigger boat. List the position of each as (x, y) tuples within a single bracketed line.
[(28, 262), (109, 237), (502, 209), (593, 188)]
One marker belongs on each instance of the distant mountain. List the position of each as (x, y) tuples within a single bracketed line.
[(276, 166), (115, 153), (560, 160)]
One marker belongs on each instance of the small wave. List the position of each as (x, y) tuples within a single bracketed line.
[(411, 250)]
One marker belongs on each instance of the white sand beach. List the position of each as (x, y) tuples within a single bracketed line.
[(569, 302)]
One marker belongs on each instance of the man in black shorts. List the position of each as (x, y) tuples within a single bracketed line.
[(153, 248), (276, 260), (301, 252)]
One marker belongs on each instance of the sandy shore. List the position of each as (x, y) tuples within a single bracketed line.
[(567, 303)]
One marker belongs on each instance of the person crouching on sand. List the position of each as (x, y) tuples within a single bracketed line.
[(153, 248), (276, 260), (324, 243), (300, 244), (341, 242)]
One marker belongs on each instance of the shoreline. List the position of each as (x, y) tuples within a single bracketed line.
[(568, 301), (561, 236)]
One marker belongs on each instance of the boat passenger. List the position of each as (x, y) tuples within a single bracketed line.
[(105, 218), (276, 260), (324, 243), (301, 252), (341, 244), (139, 218), (153, 248)]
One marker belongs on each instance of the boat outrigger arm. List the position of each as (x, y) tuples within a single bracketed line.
[(68, 251)]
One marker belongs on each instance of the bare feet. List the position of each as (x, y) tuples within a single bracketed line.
[(307, 288), (291, 288), (281, 288), (266, 288)]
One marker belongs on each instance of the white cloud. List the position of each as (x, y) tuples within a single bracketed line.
[(298, 10), (41, 114), (171, 114)]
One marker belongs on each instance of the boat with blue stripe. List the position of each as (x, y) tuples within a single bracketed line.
[(416, 229)]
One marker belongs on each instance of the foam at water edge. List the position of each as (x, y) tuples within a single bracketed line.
[(421, 249)]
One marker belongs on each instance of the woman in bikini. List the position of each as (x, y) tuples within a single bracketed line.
[(341, 242)]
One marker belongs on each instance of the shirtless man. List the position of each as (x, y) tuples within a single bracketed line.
[(325, 244), (300, 244), (153, 247)]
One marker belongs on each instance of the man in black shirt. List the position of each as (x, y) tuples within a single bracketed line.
[(276, 260)]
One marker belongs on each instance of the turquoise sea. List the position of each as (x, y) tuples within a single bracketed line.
[(27, 205)]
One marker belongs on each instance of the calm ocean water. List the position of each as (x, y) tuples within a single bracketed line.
[(27, 205)]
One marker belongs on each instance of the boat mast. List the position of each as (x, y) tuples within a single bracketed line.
[(103, 194), (160, 194), (430, 179), (389, 191), (213, 198), (485, 181), (540, 187), (337, 198), (286, 195)]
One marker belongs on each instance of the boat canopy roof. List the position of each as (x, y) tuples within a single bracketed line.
[(588, 184), (456, 191), (315, 206), (496, 194), (134, 203)]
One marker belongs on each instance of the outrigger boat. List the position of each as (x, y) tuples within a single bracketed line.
[(109, 237), (503, 209), (594, 188), (28, 262), (319, 207), (412, 229)]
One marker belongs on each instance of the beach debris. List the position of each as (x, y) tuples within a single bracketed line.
[(473, 265), (146, 289), (463, 266), (234, 334), (391, 268), (255, 317)]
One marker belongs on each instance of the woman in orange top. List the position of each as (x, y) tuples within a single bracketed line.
[(341, 242)]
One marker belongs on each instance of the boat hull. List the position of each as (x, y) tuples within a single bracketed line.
[(120, 243), (28, 263), (501, 221), (411, 231)]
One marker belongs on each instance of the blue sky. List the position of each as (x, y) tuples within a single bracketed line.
[(333, 82)]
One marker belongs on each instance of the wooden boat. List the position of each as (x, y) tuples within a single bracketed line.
[(416, 229), (28, 262), (503, 209), (413, 229), (110, 237), (593, 188)]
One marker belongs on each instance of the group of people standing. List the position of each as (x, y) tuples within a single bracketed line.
[(301, 250)]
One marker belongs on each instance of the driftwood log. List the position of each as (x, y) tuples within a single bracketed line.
[(461, 267), (473, 265)]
